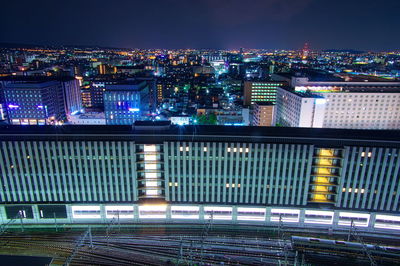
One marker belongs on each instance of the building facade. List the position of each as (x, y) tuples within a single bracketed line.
[(260, 91), (299, 109), (319, 177), (36, 103), (40, 100), (351, 108), (126, 102), (348, 104), (263, 114)]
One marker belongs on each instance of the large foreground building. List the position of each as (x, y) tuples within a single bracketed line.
[(300, 176)]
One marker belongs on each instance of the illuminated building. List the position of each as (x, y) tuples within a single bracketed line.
[(159, 93), (105, 69), (299, 109), (263, 114), (97, 89), (40, 100), (352, 105), (260, 91), (361, 108), (305, 52), (124, 103), (2, 112), (301, 177), (86, 97)]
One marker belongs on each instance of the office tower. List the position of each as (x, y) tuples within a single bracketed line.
[(40, 100), (263, 114), (260, 91), (71, 95), (352, 106), (160, 96), (97, 88), (305, 52), (105, 69), (2, 112), (86, 97), (305, 178), (299, 109), (152, 91), (126, 102)]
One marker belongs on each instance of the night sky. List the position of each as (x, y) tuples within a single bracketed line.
[(270, 24)]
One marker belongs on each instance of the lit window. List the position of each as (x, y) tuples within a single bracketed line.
[(205, 149), (149, 166)]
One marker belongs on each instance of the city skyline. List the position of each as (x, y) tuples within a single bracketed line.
[(225, 24)]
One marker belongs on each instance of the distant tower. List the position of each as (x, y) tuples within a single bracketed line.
[(306, 51)]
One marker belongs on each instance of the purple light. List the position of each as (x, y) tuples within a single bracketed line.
[(13, 106)]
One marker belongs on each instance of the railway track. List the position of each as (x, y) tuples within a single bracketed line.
[(124, 249)]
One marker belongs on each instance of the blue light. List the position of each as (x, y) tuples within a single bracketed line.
[(40, 106), (233, 124), (13, 106), (134, 109)]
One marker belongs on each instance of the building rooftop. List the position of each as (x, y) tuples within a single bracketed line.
[(35, 79), (155, 132), (343, 88), (303, 94)]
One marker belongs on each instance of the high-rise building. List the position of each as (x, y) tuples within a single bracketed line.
[(86, 97), (71, 95), (302, 177), (260, 91), (97, 89), (299, 109), (105, 69), (350, 107), (40, 100), (263, 114), (126, 102), (2, 112)]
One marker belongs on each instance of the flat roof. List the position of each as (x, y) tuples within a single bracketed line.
[(35, 79), (159, 132)]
